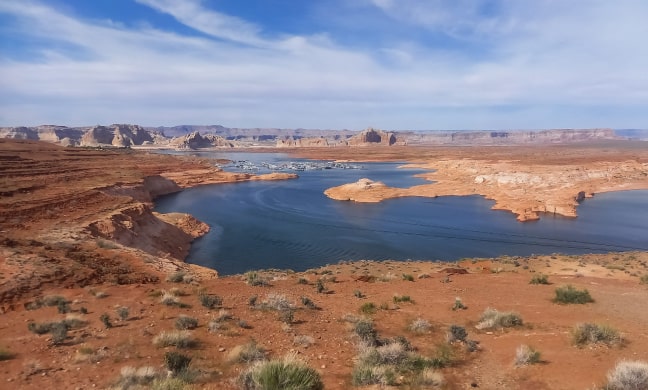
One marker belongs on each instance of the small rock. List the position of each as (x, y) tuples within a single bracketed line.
[(323, 366), (221, 349)]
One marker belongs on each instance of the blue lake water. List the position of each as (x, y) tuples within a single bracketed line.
[(292, 224)]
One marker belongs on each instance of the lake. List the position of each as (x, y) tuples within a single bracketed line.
[(292, 224)]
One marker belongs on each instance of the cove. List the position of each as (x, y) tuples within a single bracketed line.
[(292, 224)]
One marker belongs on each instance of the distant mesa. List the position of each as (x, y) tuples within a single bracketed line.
[(190, 137)]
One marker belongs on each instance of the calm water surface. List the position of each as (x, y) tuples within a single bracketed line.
[(292, 224)]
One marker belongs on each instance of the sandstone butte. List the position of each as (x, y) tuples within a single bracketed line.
[(79, 224)]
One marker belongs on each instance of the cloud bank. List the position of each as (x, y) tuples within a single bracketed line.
[(407, 64)]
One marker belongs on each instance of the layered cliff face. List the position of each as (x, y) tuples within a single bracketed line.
[(116, 135), (197, 141), (291, 142), (372, 136), (515, 137)]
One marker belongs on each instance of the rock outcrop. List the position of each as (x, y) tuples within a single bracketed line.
[(372, 136), (116, 135), (197, 141)]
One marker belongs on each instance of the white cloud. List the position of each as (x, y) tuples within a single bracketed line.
[(544, 64)]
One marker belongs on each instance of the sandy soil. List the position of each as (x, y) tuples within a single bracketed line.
[(78, 223)]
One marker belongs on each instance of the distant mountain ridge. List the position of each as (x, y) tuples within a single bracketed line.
[(209, 136)]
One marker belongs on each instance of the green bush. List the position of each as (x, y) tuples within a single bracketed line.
[(643, 279), (569, 294), (492, 318), (59, 332), (539, 279), (319, 287), (457, 333), (6, 354), (588, 333), (364, 375), (176, 362), (402, 298), (458, 305), (253, 278), (287, 373), (408, 277), (122, 312), (105, 318), (306, 301), (246, 353), (368, 308), (419, 325)]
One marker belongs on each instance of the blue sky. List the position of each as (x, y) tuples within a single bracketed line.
[(391, 64)]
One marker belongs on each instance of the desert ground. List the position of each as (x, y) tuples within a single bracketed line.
[(93, 286)]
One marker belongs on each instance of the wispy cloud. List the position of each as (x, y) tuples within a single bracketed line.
[(475, 64)]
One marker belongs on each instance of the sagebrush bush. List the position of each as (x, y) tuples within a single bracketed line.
[(408, 277), (364, 375), (402, 298), (210, 301), (179, 339), (628, 375), (306, 301), (429, 378), (456, 333), (588, 333), (5, 354), (366, 331), (286, 373), (176, 362), (253, 278), (59, 332), (492, 318), (184, 322), (277, 302), (122, 312), (458, 305), (419, 325), (525, 355), (105, 319), (131, 376), (643, 279), (569, 294), (539, 279), (177, 277), (246, 353)]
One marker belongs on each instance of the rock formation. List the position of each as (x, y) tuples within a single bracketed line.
[(372, 136), (116, 135), (197, 141)]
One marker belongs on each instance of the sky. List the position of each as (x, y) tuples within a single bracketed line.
[(327, 64)]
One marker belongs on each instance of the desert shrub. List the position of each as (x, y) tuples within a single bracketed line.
[(179, 339), (457, 333), (366, 331), (210, 301), (443, 356), (525, 355), (358, 294), (131, 376), (458, 305), (63, 307), (105, 319), (39, 328), (628, 375), (368, 308), (169, 299), (286, 373), (419, 325), (588, 333), (83, 310), (223, 315), (286, 315), (184, 322), (643, 279), (302, 281), (176, 362), (276, 302), (471, 345), (169, 384), (492, 318), (5, 354), (364, 375), (54, 300), (253, 278), (539, 279), (569, 294), (402, 298), (178, 277), (429, 378), (243, 324), (59, 332), (319, 286), (408, 277), (306, 301), (246, 353), (122, 312)]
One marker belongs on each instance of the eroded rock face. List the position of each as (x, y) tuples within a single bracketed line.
[(197, 141), (372, 136), (116, 135)]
